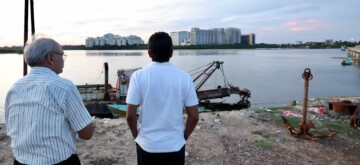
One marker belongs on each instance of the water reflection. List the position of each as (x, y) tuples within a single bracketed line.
[(111, 53), (205, 52)]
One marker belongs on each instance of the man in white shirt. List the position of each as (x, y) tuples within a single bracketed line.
[(44, 112), (162, 91)]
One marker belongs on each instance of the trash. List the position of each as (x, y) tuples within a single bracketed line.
[(320, 110), (293, 103), (218, 116), (290, 113), (217, 121), (213, 127)]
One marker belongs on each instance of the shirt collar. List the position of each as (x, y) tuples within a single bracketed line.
[(41, 70), (160, 64)]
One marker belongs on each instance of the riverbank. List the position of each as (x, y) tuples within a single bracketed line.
[(248, 136)]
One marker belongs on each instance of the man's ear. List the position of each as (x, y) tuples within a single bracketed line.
[(150, 54), (49, 59), (171, 53)]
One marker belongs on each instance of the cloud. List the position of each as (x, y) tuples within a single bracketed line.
[(291, 23), (312, 21), (297, 29)]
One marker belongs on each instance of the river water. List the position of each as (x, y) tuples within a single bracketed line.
[(274, 76)]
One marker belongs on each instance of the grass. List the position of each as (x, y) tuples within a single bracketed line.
[(267, 143), (343, 128), (339, 126)]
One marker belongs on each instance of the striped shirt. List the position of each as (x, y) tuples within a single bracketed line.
[(43, 112)]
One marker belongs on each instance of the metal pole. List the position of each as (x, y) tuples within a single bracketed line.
[(25, 34), (32, 18), (307, 76)]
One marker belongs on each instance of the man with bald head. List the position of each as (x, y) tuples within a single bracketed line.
[(43, 111)]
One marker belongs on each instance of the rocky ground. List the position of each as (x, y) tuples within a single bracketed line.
[(249, 136)]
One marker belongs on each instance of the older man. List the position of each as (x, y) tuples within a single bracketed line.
[(43, 111)]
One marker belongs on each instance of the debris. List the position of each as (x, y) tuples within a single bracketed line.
[(291, 113), (213, 127)]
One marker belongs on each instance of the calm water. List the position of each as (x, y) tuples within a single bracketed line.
[(274, 76)]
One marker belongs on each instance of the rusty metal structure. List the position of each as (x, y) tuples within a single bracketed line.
[(305, 126), (221, 91)]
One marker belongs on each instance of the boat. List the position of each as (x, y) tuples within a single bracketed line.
[(96, 97), (343, 47), (347, 61), (119, 110), (106, 101)]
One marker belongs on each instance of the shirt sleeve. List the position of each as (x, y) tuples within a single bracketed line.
[(133, 94), (75, 110), (191, 97)]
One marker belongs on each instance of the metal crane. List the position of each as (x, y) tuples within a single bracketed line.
[(205, 95)]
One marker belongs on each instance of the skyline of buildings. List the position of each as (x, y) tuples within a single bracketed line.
[(112, 40), (197, 36), (214, 36)]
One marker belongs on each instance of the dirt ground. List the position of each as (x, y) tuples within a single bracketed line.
[(250, 136)]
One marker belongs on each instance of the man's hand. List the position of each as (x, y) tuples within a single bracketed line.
[(354, 121)]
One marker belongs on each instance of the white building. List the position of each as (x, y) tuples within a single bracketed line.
[(134, 40), (112, 40), (215, 36), (89, 42), (180, 38), (232, 36)]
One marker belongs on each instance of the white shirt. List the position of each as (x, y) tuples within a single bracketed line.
[(43, 112), (162, 91)]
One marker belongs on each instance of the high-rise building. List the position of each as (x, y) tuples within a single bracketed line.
[(180, 38), (215, 36), (248, 39), (232, 36)]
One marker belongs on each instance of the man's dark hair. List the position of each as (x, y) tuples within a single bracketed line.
[(161, 47)]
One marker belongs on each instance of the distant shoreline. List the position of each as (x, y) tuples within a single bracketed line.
[(19, 49)]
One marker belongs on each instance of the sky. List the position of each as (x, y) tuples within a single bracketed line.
[(273, 21)]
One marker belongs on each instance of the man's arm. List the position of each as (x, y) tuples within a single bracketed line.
[(87, 132), (131, 119), (192, 119), (354, 118)]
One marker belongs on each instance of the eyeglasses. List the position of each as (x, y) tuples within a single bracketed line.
[(63, 55)]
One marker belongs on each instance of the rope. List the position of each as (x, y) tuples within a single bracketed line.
[(102, 71), (199, 67)]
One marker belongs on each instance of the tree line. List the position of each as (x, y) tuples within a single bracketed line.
[(318, 45)]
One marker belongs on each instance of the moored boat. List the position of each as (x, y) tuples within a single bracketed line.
[(347, 61)]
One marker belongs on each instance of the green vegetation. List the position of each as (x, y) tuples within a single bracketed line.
[(266, 143), (14, 49), (323, 126), (315, 45), (342, 127)]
